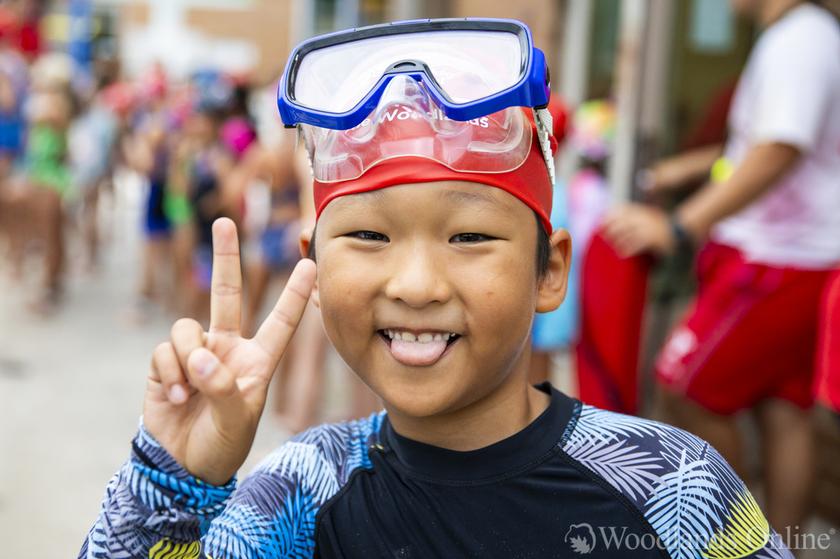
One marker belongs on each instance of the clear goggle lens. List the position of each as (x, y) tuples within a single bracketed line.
[(337, 78)]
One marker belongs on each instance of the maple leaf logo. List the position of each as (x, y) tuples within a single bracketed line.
[(581, 538), (579, 545)]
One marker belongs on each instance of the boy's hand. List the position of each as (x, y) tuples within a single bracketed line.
[(207, 390)]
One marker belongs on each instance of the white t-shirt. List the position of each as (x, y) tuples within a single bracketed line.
[(790, 93)]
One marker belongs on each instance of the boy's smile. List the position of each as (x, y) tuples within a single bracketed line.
[(428, 291), (421, 347)]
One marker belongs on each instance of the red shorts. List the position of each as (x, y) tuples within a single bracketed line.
[(751, 335), (828, 370)]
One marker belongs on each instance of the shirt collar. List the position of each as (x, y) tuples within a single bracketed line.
[(500, 459)]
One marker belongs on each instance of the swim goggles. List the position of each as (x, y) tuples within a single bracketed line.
[(468, 68)]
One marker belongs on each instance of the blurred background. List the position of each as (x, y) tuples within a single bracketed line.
[(127, 126)]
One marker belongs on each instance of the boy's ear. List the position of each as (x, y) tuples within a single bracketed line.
[(304, 241), (552, 287)]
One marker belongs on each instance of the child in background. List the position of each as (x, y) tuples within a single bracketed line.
[(148, 153), (92, 139), (47, 171), (208, 166)]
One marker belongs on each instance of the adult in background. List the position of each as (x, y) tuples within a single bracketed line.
[(769, 220)]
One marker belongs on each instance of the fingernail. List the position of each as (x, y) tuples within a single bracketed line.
[(177, 394), (206, 363)]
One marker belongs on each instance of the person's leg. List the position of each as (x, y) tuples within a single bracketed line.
[(257, 277), (306, 371), (22, 222), (147, 277), (54, 224), (280, 382), (200, 283), (721, 431), (787, 438), (183, 239), (90, 226)]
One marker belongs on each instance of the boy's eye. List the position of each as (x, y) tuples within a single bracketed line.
[(470, 238), (367, 236)]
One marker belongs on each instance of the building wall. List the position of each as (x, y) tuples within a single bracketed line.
[(541, 15), (244, 35), (544, 17), (266, 23)]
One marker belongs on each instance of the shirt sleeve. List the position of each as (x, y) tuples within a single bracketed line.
[(796, 79), (153, 507), (700, 507), (687, 493)]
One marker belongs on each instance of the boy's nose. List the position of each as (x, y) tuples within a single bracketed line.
[(417, 279)]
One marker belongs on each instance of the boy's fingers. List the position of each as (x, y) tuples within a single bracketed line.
[(226, 285), (167, 369), (277, 330), (187, 335), (218, 384)]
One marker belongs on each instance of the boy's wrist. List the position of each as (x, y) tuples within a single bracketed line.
[(163, 481)]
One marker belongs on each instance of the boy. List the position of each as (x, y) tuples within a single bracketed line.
[(427, 283)]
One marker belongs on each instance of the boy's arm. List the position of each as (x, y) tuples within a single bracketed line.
[(155, 506)]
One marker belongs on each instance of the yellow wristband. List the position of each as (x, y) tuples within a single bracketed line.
[(722, 170)]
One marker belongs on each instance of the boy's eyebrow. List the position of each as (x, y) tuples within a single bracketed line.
[(469, 197), (365, 198)]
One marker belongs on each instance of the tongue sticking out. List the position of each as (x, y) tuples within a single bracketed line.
[(417, 354)]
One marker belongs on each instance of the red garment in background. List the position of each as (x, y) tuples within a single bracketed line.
[(29, 39), (750, 335), (828, 368), (24, 36), (613, 296), (713, 125)]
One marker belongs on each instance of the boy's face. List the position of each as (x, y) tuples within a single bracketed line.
[(436, 258)]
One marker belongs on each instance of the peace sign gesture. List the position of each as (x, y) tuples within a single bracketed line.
[(207, 390)]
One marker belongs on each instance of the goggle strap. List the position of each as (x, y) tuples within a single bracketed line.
[(300, 143), (545, 123)]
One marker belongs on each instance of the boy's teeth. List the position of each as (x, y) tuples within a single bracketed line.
[(424, 338)]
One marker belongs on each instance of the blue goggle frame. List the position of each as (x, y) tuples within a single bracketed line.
[(532, 90)]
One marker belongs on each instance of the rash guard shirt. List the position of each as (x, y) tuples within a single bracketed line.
[(577, 481)]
